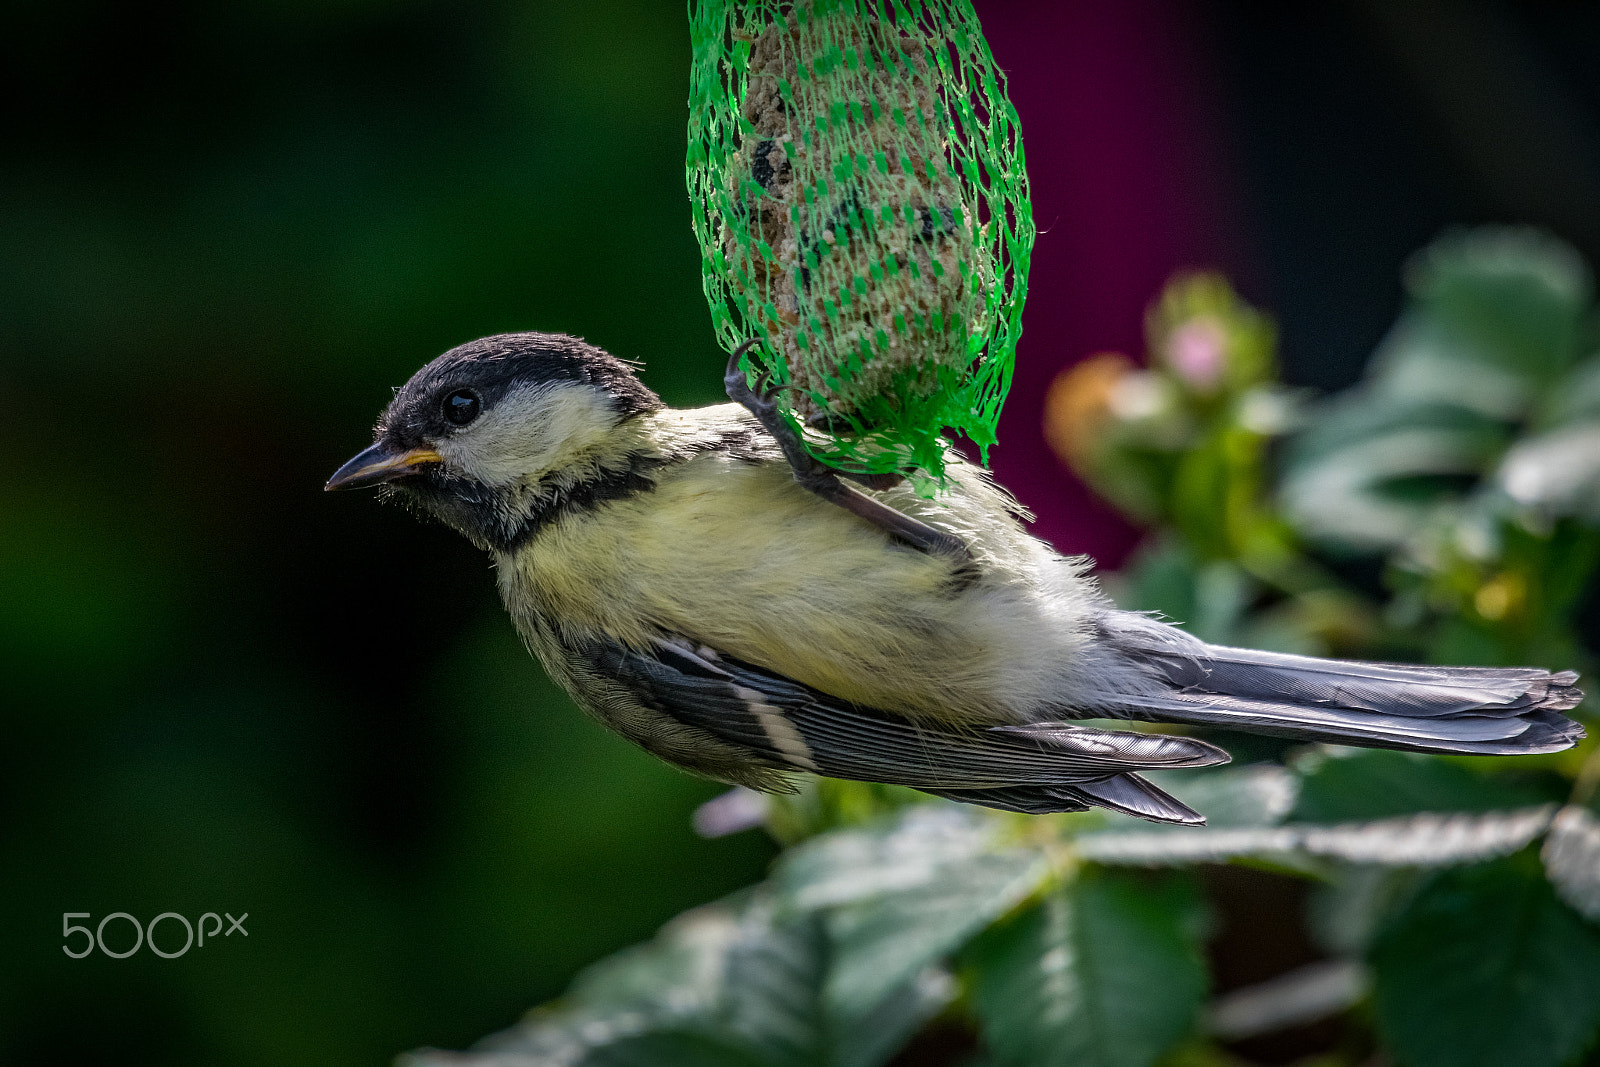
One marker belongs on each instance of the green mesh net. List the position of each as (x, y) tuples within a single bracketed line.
[(859, 194)]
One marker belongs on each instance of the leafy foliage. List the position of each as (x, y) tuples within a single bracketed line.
[(1463, 893), (896, 899), (1453, 990), (1105, 971), (742, 981)]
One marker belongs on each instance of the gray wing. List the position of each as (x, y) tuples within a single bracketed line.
[(1034, 768)]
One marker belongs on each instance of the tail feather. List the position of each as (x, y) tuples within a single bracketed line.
[(1475, 710), (1132, 794)]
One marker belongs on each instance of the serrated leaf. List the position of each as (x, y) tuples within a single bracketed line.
[(736, 984), (1572, 859), (900, 896), (769, 983), (774, 997), (686, 957), (1425, 840), (1429, 839), (1485, 967), (1104, 972), (1182, 846)]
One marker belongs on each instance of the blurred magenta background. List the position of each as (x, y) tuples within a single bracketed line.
[(226, 230)]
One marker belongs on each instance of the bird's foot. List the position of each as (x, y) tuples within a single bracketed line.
[(823, 480)]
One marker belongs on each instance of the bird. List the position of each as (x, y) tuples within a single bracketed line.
[(673, 573)]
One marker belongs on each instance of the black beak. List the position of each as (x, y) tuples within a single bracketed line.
[(383, 462)]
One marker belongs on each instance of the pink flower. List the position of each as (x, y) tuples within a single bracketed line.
[(1197, 352)]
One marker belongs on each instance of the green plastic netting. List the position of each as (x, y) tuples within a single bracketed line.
[(861, 202)]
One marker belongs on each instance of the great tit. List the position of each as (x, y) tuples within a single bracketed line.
[(671, 574)]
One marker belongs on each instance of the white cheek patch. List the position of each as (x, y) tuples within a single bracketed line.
[(529, 432)]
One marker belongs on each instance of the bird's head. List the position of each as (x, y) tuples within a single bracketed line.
[(492, 435)]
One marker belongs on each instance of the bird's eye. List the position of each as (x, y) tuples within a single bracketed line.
[(461, 407)]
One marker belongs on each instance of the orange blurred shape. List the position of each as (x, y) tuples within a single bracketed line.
[(1078, 405)]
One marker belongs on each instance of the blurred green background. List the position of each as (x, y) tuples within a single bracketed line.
[(226, 230)]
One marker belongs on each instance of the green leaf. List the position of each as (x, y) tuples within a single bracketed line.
[(1509, 296), (1104, 972), (1373, 784), (1429, 839), (1362, 415), (900, 896), (734, 984), (1331, 803), (1496, 318), (774, 999), (1485, 967), (1575, 398), (770, 980), (1374, 470)]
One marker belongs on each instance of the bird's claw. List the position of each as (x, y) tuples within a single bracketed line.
[(737, 384), (825, 481)]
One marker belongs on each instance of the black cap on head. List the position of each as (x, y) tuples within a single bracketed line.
[(493, 366)]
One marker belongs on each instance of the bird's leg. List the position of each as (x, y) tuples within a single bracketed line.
[(824, 481)]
